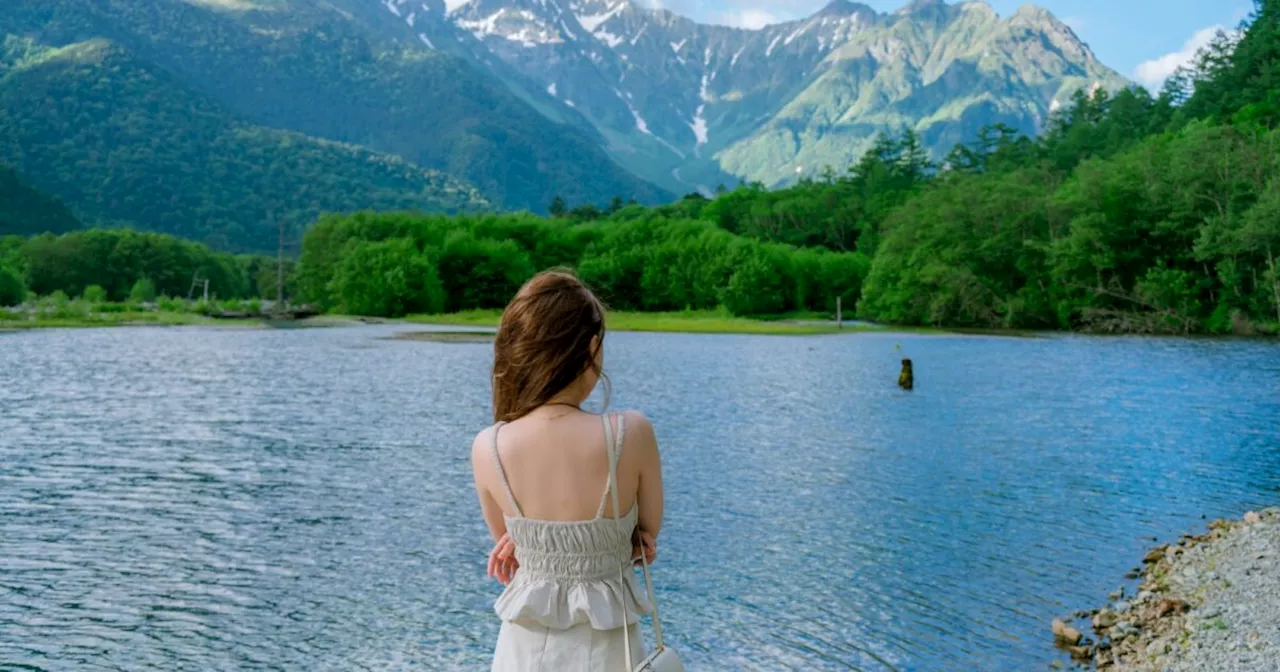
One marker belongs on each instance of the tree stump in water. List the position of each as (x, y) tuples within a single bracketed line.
[(906, 379)]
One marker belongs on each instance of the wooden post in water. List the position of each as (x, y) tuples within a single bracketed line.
[(839, 314)]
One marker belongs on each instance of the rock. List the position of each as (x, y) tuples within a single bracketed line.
[(1080, 652), (1145, 595), (1105, 619), (1123, 607), (1115, 594), (1123, 630), (1158, 648), (1065, 633), (1171, 606), (1252, 518), (1154, 555)]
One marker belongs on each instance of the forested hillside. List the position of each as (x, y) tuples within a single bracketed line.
[(123, 143), (309, 67), (25, 211)]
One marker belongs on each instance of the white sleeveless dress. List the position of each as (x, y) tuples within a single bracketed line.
[(564, 610)]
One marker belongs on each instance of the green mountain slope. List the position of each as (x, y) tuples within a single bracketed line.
[(944, 71), (317, 68), (122, 142), (25, 211)]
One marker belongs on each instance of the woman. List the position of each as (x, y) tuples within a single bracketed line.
[(543, 474)]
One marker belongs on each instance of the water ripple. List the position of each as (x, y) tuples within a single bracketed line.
[(211, 499)]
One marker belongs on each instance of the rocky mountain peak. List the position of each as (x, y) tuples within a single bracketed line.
[(689, 105), (845, 8), (923, 6)]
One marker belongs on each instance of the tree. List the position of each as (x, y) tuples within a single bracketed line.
[(557, 207), (12, 290), (1261, 236), (390, 278), (481, 273)]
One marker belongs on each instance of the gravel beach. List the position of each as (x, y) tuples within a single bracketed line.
[(1209, 603)]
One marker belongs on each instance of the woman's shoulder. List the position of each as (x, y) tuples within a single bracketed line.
[(635, 420), (638, 431), (482, 443)]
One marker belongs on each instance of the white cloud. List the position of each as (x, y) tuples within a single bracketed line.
[(752, 19), (1153, 73)]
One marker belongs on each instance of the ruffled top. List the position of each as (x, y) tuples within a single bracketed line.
[(569, 574), (569, 571)]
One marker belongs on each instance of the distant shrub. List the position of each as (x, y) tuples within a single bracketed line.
[(144, 291), (94, 294), (169, 305)]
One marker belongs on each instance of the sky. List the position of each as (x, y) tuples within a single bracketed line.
[(1145, 40)]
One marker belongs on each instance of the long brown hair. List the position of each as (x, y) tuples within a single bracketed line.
[(544, 343)]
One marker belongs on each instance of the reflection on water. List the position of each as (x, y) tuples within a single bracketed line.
[(215, 499)]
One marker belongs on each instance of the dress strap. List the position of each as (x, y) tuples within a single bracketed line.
[(502, 475), (614, 448)]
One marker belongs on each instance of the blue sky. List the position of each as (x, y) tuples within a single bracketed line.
[(1142, 39)]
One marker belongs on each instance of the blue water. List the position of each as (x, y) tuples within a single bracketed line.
[(254, 499)]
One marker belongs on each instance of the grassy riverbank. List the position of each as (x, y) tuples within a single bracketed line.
[(14, 321), (694, 322), (82, 315)]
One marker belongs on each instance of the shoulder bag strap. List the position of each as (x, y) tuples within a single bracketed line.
[(614, 453)]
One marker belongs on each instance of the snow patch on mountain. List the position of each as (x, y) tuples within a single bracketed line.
[(592, 21), (609, 38), (699, 126), (454, 6), (769, 52)]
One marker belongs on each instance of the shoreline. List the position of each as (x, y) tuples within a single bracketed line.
[(1206, 602)]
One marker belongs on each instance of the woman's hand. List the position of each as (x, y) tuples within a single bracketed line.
[(502, 560), (643, 541)]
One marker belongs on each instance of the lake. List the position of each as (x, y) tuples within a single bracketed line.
[(302, 499)]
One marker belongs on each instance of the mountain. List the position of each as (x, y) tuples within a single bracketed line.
[(329, 69), (122, 142), (686, 104), (25, 211)]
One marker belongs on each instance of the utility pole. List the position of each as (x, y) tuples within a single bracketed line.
[(279, 267), (839, 314), (195, 282)]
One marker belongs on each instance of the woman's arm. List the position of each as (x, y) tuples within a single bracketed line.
[(485, 474), (640, 439)]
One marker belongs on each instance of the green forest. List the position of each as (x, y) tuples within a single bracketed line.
[(337, 113), (1132, 213)]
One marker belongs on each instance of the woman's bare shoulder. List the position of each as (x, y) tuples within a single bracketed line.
[(480, 445), (640, 431)]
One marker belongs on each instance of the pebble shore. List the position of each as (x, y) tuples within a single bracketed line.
[(1208, 603)]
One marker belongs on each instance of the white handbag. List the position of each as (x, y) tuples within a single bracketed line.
[(663, 659)]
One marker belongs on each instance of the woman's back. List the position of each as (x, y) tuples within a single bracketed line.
[(557, 467), (543, 474)]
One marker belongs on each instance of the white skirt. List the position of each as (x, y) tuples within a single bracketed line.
[(525, 647)]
